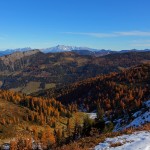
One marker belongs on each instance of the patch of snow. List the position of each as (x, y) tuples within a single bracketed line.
[(92, 115), (107, 122), (135, 141), (136, 114)]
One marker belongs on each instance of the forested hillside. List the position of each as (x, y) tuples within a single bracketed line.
[(24, 116), (115, 92), (34, 71)]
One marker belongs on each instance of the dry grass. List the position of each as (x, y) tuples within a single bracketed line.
[(116, 144), (50, 85), (82, 61), (31, 87), (68, 59), (62, 122), (73, 146)]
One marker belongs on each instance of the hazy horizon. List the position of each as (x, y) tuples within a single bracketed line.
[(69, 46)]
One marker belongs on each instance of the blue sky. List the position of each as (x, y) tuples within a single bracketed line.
[(108, 24)]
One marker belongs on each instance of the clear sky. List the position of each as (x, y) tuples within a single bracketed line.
[(108, 24)]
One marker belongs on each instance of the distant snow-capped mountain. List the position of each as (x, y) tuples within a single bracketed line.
[(10, 51), (78, 50), (86, 50), (62, 48)]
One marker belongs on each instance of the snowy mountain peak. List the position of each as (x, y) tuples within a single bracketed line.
[(62, 48)]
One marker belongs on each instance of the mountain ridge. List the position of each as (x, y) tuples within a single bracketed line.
[(79, 50), (42, 71)]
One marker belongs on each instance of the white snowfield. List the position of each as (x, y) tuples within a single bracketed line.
[(136, 141)]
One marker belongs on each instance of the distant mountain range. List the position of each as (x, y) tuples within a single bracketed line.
[(10, 51), (78, 50)]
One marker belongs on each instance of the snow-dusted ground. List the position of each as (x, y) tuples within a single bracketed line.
[(144, 118), (136, 141), (139, 118)]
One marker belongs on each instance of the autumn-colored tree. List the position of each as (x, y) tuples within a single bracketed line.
[(87, 124), (69, 127), (59, 135), (13, 145), (100, 112)]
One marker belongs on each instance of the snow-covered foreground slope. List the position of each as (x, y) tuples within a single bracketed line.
[(136, 141)]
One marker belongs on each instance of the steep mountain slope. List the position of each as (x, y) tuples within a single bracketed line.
[(17, 60), (33, 71), (138, 118), (35, 121)]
